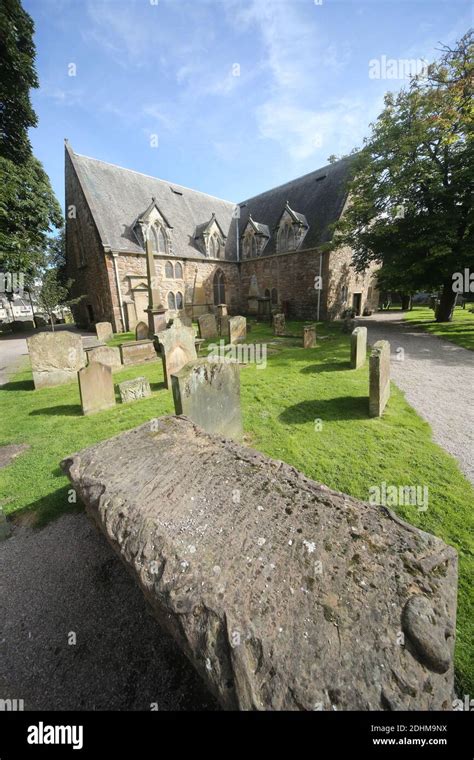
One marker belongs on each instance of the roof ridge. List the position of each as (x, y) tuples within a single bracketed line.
[(151, 176)]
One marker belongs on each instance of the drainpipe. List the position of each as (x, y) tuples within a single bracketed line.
[(119, 291), (321, 281)]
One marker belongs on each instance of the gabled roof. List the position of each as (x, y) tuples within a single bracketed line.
[(144, 217), (318, 198), (260, 229), (296, 216), (118, 197), (202, 228)]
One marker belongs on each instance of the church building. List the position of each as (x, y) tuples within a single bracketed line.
[(207, 251)]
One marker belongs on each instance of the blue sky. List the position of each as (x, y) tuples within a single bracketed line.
[(238, 95)]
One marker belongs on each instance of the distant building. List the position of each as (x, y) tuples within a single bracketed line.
[(207, 251)]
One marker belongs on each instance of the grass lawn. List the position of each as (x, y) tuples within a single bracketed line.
[(459, 331), (348, 451)]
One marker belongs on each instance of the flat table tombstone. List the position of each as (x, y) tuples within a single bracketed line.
[(237, 329), (141, 331), (104, 355), (96, 388), (309, 336), (177, 348), (358, 347), (55, 357), (207, 326), (132, 390), (209, 394), (104, 331), (379, 377)]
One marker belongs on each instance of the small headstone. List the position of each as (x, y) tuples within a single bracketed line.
[(137, 352), (104, 355), (209, 394), (141, 331), (223, 326), (237, 329), (278, 324), (177, 348), (222, 310), (379, 377), (55, 357), (309, 336), (131, 390), (207, 326), (96, 388), (104, 331), (185, 320), (358, 347)]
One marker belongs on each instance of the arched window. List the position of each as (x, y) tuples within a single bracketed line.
[(274, 295), (254, 246), (219, 287), (290, 238), (178, 271), (267, 293), (171, 301), (247, 247), (169, 270), (214, 247), (159, 240), (179, 300)]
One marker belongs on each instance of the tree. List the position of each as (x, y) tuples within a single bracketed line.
[(411, 189), (29, 210), (52, 294)]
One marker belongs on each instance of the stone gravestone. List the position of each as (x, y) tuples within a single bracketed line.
[(131, 390), (221, 511), (104, 331), (141, 331), (279, 324), (309, 336), (209, 394), (137, 352), (207, 327), (237, 329), (177, 348), (222, 310), (253, 296), (223, 326), (358, 347), (104, 355), (96, 388), (379, 377), (55, 357)]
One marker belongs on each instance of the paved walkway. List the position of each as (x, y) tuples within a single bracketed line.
[(437, 378)]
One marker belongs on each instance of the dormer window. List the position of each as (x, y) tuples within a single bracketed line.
[(210, 238), (152, 225), (291, 230), (158, 238), (254, 238)]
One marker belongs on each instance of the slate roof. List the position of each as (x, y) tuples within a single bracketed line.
[(317, 198), (118, 197)]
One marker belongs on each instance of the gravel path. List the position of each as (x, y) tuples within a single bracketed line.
[(437, 378), (65, 578)]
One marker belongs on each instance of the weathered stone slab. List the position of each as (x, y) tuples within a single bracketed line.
[(209, 394), (96, 388), (177, 348), (223, 327), (132, 390), (379, 377), (104, 355), (358, 347), (141, 331), (222, 310), (137, 352), (237, 329), (55, 357), (309, 336), (104, 331), (264, 309), (279, 324), (284, 595), (207, 326)]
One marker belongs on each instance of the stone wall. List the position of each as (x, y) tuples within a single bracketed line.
[(86, 264)]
